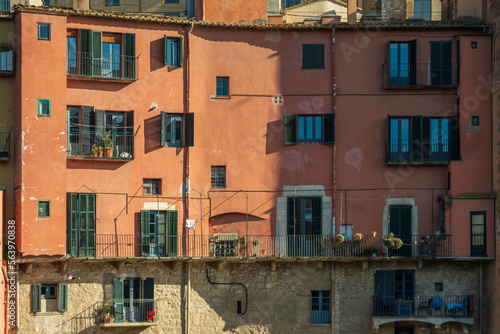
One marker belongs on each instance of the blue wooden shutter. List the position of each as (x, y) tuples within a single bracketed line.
[(413, 62), (62, 297), (384, 292), (36, 298), (96, 53), (168, 51), (416, 138), (172, 233), (163, 127), (290, 129), (118, 292), (145, 233), (129, 52), (180, 53), (329, 128), (189, 129)]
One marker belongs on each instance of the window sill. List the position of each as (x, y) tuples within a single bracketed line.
[(94, 78), (418, 163), (79, 157), (313, 68), (321, 325), (45, 314), (214, 97), (4, 158), (389, 87), (6, 73), (128, 324)]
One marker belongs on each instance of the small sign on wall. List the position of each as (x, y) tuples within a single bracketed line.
[(190, 224)]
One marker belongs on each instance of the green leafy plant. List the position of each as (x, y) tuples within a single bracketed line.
[(339, 238), (107, 140), (108, 309), (243, 239), (95, 149), (255, 242), (392, 242)]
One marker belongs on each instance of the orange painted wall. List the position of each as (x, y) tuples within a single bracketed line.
[(233, 11)]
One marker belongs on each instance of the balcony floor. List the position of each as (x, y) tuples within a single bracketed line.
[(436, 321)]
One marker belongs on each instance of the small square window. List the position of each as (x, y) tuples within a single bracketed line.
[(43, 107), (438, 286), (313, 56), (171, 1), (473, 45), (475, 120), (151, 187), (44, 31), (218, 176), (43, 208), (48, 291), (222, 86), (112, 3)]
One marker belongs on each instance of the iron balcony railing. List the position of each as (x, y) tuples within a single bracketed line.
[(89, 244), (432, 150), (458, 306), (104, 66), (419, 75), (4, 145), (83, 143)]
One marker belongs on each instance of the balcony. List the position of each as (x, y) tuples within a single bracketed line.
[(420, 76), (439, 151), (4, 146), (108, 67), (86, 145), (435, 309), (232, 245)]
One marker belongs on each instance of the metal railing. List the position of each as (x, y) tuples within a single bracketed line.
[(419, 75), (128, 310), (221, 246), (432, 150), (459, 306), (4, 145), (105, 66), (81, 143)]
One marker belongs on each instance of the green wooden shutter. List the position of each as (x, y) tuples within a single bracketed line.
[(180, 54), (85, 51), (318, 56), (96, 53), (172, 233), (149, 288), (129, 51), (129, 133), (87, 124), (413, 62), (100, 127), (189, 129), (118, 292), (145, 232), (316, 215), (290, 129), (455, 137), (329, 128), (307, 56), (36, 298), (62, 297), (165, 50), (163, 127)]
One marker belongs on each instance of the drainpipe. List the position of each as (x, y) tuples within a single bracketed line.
[(188, 297), (7, 302), (332, 300), (334, 180)]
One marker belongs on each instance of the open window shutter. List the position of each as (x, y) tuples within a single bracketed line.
[(426, 138), (189, 129), (72, 206), (446, 63), (85, 51), (384, 291), (129, 133), (62, 297), (149, 288), (457, 66), (316, 215), (290, 129), (145, 232), (118, 299), (87, 127), (329, 128), (172, 233), (416, 138), (168, 51), (319, 56), (96, 53), (36, 298), (163, 134), (129, 51), (100, 123), (455, 137), (181, 49), (413, 62), (388, 140), (435, 63)]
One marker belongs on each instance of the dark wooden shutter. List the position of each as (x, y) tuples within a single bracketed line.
[(85, 51), (96, 53), (416, 138), (100, 127), (181, 51), (318, 56), (290, 129), (384, 292), (129, 133), (145, 233), (189, 129), (455, 137), (72, 214), (172, 233), (149, 288), (87, 127), (413, 62), (163, 126), (36, 298), (129, 51), (307, 56), (441, 70), (290, 215), (425, 149), (62, 297), (457, 65), (329, 128), (118, 292), (316, 215)]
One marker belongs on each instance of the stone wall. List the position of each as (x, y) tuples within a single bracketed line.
[(278, 300), (394, 10)]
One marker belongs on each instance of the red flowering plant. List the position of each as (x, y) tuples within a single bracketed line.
[(150, 315)]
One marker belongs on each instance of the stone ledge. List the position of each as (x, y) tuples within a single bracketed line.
[(128, 324)]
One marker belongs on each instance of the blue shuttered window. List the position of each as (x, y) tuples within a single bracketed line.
[(321, 307)]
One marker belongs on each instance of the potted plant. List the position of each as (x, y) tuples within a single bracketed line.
[(100, 151), (357, 238), (370, 250), (328, 238), (108, 144), (108, 310), (255, 242), (150, 316), (243, 240), (339, 238), (95, 150), (392, 242)]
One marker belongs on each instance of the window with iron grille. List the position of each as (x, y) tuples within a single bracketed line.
[(218, 176)]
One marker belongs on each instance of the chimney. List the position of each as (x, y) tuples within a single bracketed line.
[(352, 9), (81, 4)]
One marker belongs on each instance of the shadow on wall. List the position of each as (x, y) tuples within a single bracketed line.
[(156, 49)]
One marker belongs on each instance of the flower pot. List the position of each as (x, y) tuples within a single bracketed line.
[(108, 152), (100, 154)]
